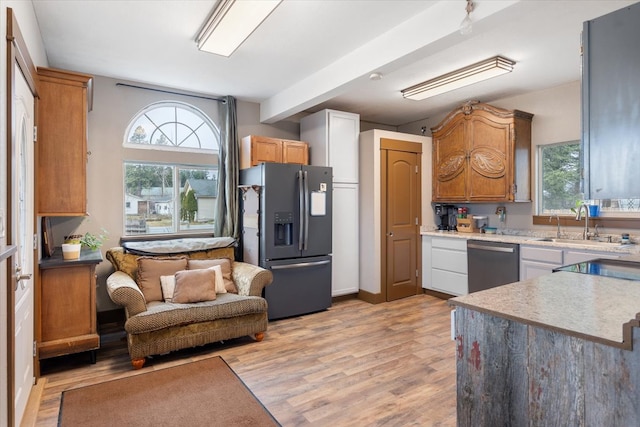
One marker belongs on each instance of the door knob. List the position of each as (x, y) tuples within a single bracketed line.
[(20, 277), (390, 234)]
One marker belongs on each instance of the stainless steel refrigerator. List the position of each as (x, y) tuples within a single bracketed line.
[(286, 224)]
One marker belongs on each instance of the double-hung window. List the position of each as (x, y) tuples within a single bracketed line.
[(173, 188)]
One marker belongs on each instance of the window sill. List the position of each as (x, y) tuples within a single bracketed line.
[(602, 221)]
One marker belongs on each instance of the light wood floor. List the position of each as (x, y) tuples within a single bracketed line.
[(356, 364)]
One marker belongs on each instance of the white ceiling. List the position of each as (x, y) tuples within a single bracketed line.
[(314, 54)]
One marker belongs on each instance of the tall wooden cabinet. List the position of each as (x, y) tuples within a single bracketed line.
[(257, 149), (333, 141), (65, 99), (482, 153)]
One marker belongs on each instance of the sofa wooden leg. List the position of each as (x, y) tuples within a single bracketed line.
[(138, 363), (259, 336)]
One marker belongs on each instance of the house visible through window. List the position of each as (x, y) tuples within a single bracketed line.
[(171, 196)]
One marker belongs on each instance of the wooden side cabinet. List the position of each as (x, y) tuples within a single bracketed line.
[(63, 105), (482, 153), (258, 149), (67, 302)]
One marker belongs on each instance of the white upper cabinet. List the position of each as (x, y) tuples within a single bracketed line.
[(333, 141)]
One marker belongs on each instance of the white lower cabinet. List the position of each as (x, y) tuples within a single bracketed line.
[(572, 256), (345, 278), (445, 265), (536, 260)]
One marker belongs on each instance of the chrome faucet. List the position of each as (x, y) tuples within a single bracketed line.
[(558, 235), (585, 233)]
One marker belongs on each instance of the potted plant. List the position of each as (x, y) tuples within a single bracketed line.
[(71, 247), (74, 243)]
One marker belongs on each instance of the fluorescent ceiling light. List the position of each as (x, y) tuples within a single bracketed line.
[(475, 73), (231, 22)]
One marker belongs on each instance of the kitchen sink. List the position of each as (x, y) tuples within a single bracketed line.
[(595, 243)]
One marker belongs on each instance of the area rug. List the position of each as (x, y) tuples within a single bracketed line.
[(202, 393)]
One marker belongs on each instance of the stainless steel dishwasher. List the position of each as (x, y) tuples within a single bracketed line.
[(492, 264)]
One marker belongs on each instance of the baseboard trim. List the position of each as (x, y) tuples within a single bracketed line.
[(370, 297), (30, 416), (437, 294)]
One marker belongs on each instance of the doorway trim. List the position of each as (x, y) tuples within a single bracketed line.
[(17, 54), (387, 144)]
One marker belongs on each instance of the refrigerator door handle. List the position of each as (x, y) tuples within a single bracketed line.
[(300, 265), (301, 211), (306, 211)]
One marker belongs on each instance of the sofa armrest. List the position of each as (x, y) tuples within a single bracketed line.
[(124, 291), (250, 279)]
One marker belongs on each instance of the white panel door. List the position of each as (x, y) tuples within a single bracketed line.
[(22, 223), (345, 278)]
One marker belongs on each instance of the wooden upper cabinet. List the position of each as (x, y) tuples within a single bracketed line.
[(482, 153), (63, 104), (258, 149)]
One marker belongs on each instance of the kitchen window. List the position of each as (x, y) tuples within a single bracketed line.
[(172, 188), (559, 169)]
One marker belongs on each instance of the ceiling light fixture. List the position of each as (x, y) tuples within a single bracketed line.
[(231, 22), (474, 73), (466, 26)]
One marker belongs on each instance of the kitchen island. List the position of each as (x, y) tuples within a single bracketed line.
[(560, 349)]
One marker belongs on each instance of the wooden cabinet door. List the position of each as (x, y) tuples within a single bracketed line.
[(295, 152), (450, 162), (68, 310), (490, 155), (265, 150), (62, 143)]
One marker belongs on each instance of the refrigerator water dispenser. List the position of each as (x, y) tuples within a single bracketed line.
[(283, 233)]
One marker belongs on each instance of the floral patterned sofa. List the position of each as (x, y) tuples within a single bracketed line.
[(219, 298)]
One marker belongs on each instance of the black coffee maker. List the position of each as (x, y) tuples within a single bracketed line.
[(447, 214)]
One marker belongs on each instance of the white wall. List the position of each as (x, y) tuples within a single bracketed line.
[(113, 108), (23, 11)]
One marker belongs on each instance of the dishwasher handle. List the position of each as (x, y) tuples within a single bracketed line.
[(490, 248)]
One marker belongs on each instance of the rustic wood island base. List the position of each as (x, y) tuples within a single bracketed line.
[(562, 349)]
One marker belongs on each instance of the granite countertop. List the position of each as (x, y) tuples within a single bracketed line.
[(595, 308), (535, 240)]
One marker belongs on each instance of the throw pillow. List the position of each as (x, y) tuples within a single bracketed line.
[(149, 271), (220, 289), (225, 265), (168, 284), (194, 286), (122, 261), (213, 253)]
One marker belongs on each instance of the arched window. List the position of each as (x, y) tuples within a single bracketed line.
[(167, 192), (172, 125)]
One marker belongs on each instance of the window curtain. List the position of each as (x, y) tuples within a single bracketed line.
[(227, 209)]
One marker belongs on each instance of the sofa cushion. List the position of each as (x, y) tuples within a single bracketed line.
[(168, 285), (225, 265), (151, 268), (128, 262), (124, 262), (194, 286), (161, 315)]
